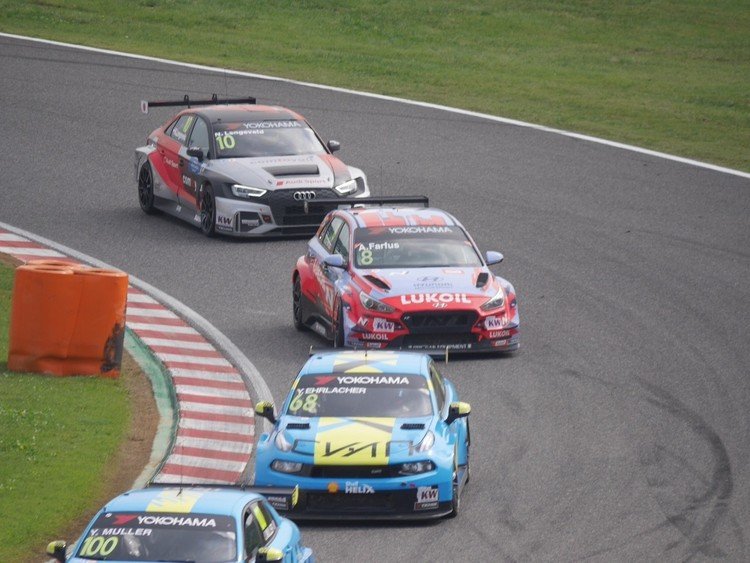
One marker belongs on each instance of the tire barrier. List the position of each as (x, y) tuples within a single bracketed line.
[(67, 319)]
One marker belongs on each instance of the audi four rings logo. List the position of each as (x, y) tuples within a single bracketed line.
[(304, 195)]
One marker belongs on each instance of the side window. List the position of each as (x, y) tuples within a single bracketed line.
[(253, 532), (181, 129), (269, 530), (323, 227), (342, 243), (199, 136), (437, 384), (330, 233)]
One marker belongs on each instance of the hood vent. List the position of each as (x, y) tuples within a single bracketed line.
[(293, 170), (482, 279), (377, 282), (412, 426), (298, 426)]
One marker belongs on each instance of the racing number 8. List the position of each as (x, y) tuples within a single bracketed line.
[(365, 256), (226, 142), (98, 546)]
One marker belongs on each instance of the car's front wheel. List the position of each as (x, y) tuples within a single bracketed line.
[(146, 189), (208, 211)]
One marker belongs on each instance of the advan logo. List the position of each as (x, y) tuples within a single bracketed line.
[(432, 298)]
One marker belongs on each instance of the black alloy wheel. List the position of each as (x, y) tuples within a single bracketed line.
[(297, 304), (208, 212), (146, 189)]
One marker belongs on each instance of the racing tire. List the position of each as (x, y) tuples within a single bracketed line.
[(297, 305), (455, 501), (208, 212), (146, 189), (338, 335)]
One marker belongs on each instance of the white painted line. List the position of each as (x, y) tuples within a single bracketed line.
[(209, 463), (10, 237), (163, 328), (183, 389), (495, 118), (175, 479), (233, 427), (27, 251), (140, 298), (207, 375), (193, 359), (178, 343), (153, 313), (208, 444), (186, 406)]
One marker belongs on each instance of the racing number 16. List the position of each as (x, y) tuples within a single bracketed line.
[(226, 142)]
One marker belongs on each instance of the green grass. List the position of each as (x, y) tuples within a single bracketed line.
[(670, 75), (56, 436)]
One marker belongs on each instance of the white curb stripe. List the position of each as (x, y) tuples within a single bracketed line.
[(186, 406), (193, 461), (163, 328), (193, 359), (174, 479), (234, 428), (178, 343), (140, 298), (10, 237), (154, 313), (30, 251), (207, 375), (183, 389), (218, 445)]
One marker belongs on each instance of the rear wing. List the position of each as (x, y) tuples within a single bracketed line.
[(422, 200), (281, 498), (186, 101)]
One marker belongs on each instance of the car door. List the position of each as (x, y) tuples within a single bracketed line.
[(191, 167), (323, 275), (168, 149)]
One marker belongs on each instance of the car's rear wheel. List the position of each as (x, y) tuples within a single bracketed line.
[(338, 335), (297, 304), (208, 211), (146, 189)]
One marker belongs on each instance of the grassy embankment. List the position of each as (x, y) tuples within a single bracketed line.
[(670, 75), (56, 438)]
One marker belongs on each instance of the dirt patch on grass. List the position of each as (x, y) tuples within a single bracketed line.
[(133, 455)]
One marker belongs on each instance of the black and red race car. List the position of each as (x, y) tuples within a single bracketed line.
[(402, 277), (241, 169)]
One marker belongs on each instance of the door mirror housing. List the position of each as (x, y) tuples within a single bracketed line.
[(196, 152), (268, 554), (493, 257), (56, 549), (265, 410), (335, 261), (457, 410), (334, 146)]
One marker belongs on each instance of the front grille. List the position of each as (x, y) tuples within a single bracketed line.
[(436, 340), (353, 503), (353, 471), (288, 212), (440, 323)]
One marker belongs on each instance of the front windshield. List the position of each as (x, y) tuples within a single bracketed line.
[(158, 536), (265, 138), (413, 247), (361, 395)]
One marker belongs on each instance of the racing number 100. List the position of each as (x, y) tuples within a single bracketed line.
[(226, 142), (97, 546)]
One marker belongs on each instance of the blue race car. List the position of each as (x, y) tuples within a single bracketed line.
[(368, 434), (196, 524)]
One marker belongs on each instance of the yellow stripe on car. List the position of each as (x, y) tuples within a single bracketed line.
[(345, 441), (174, 501)]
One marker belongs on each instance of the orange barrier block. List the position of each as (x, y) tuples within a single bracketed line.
[(67, 319)]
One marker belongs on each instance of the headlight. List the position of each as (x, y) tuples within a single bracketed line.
[(286, 466), (427, 442), (496, 302), (373, 304), (282, 443), (346, 187), (416, 467), (247, 191)]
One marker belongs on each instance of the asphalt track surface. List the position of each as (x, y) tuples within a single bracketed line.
[(619, 432)]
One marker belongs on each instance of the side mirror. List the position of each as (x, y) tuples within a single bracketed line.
[(269, 554), (265, 409), (333, 146), (493, 257), (57, 549), (335, 261), (457, 410), (196, 152)]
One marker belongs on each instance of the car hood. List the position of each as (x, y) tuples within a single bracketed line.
[(355, 441), (276, 172), (452, 287)]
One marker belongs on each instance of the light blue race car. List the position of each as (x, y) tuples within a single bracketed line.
[(368, 434), (195, 524)]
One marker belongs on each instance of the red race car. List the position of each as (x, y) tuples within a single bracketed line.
[(394, 276)]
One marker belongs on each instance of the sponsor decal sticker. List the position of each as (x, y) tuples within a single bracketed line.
[(499, 334), (494, 323), (418, 230), (382, 325), (353, 487), (431, 298), (427, 498)]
